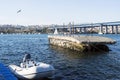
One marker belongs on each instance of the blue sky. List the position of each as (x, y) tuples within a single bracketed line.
[(39, 12)]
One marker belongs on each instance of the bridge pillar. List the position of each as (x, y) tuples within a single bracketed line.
[(106, 29), (75, 29), (116, 29), (80, 30), (112, 29), (101, 29), (84, 29), (70, 28)]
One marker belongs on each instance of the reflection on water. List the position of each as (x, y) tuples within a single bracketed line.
[(69, 65)]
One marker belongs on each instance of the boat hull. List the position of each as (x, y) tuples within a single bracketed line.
[(34, 72), (35, 75)]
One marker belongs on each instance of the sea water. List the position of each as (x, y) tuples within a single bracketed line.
[(69, 65)]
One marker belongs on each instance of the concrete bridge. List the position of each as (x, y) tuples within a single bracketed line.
[(101, 28)]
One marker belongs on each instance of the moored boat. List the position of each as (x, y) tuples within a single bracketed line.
[(32, 70)]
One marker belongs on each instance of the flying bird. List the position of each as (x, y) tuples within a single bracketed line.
[(19, 11)]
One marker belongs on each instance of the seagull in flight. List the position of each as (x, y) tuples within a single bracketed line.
[(19, 11)]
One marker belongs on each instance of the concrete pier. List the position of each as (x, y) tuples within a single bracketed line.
[(81, 43)]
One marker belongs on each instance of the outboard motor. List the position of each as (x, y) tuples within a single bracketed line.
[(27, 58), (26, 61)]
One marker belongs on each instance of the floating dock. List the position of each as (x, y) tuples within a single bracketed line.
[(5, 73), (81, 43)]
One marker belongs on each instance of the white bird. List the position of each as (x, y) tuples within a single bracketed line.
[(19, 11)]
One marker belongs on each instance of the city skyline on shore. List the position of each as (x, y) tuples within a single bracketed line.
[(38, 12)]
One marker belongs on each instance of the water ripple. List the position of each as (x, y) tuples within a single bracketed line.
[(69, 65)]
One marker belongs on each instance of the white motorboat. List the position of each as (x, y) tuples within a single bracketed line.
[(32, 70)]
